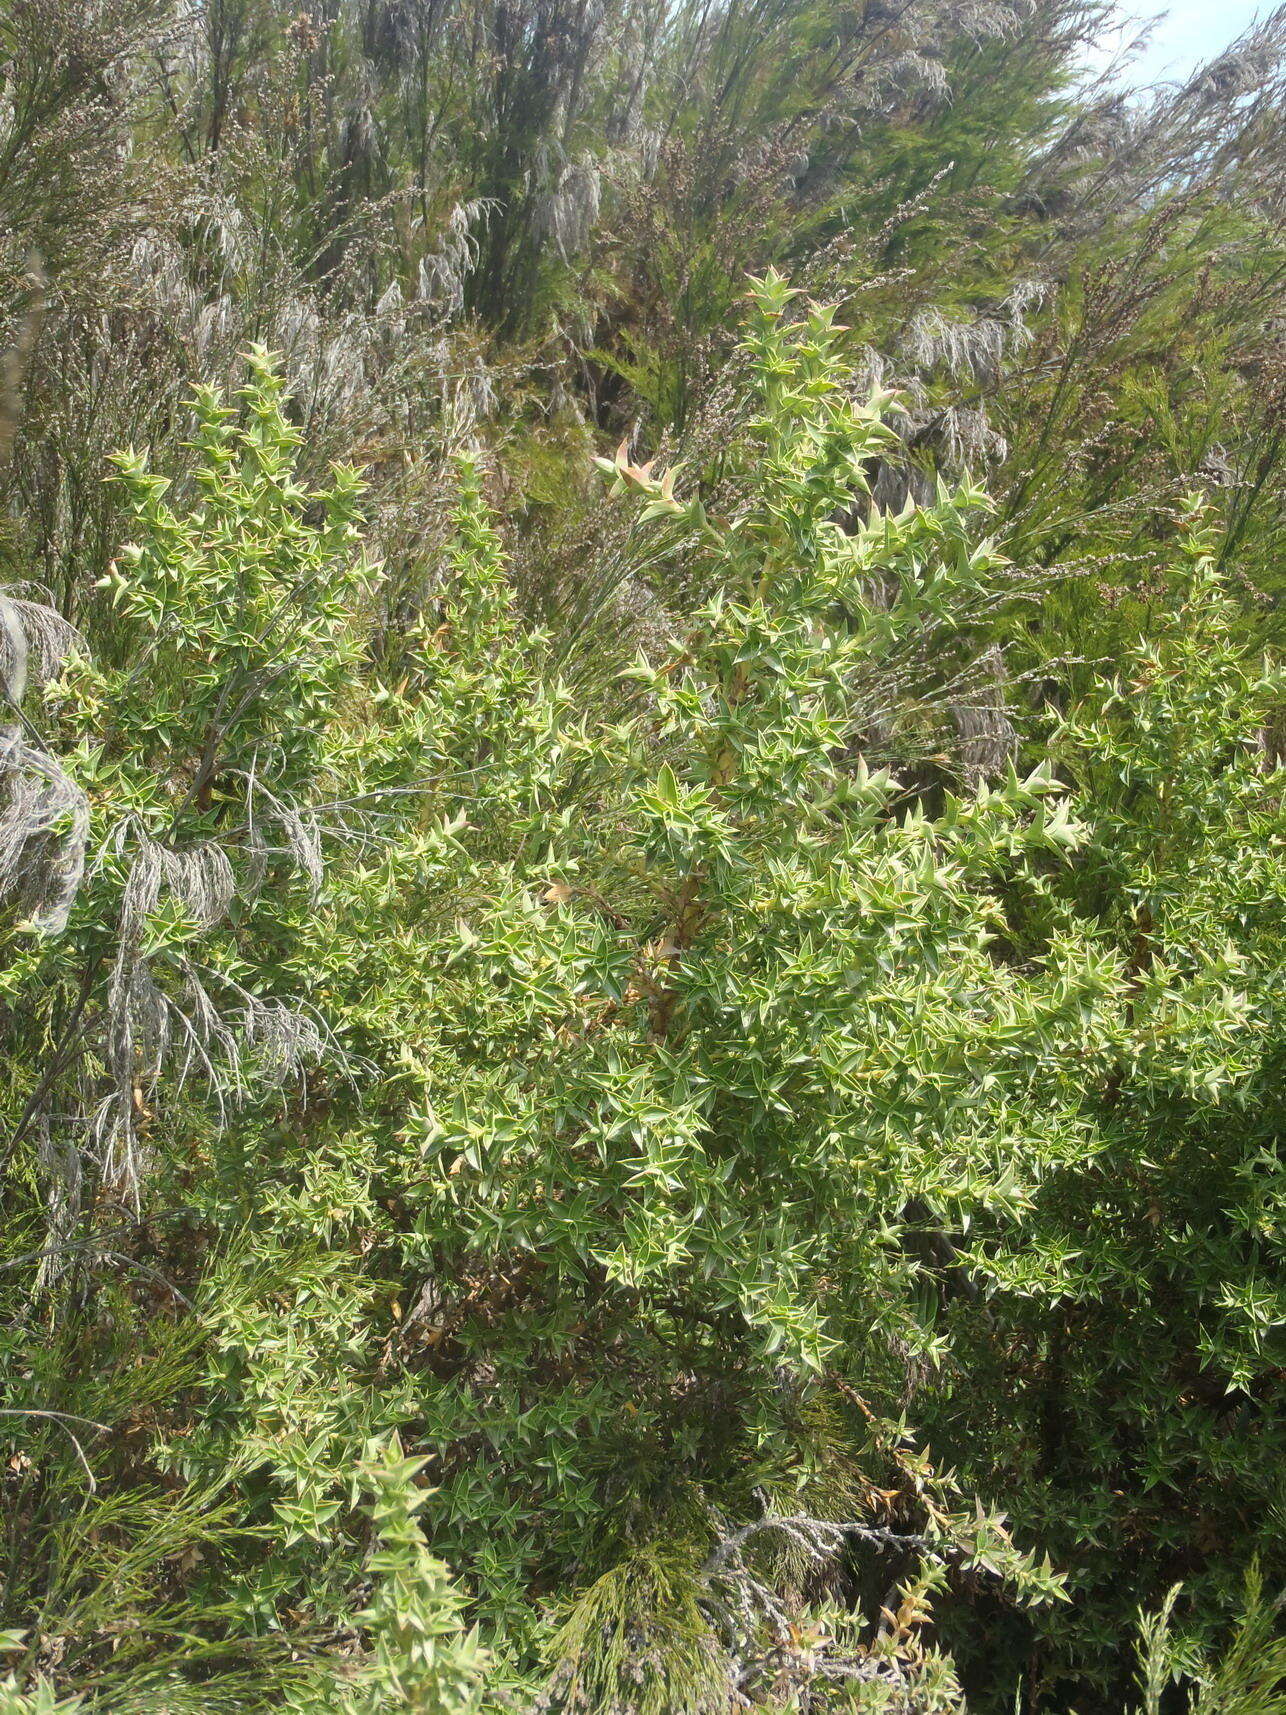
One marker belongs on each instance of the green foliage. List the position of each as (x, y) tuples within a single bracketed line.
[(419, 1662), (638, 1639), (1143, 1328), (204, 749), (782, 1204), (1247, 1677), (665, 955), (239, 622)]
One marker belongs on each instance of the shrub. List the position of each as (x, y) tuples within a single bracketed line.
[(695, 1106)]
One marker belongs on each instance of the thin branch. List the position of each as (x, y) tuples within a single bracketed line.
[(62, 1419)]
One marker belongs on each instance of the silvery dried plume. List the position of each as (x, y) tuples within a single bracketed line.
[(913, 74), (970, 350), (58, 1163), (988, 739), (1245, 68), (648, 151), (967, 438), (984, 20), (898, 486), (444, 270), (284, 1039), (297, 837), (326, 365), (390, 315), (218, 331), (360, 143), (140, 1016), (231, 234), (157, 263), (35, 642), (566, 214), (468, 398), (626, 112), (44, 829), (44, 814), (1022, 296)]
